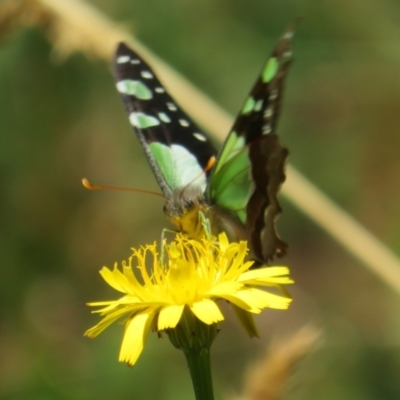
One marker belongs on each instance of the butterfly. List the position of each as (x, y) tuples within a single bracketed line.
[(236, 189)]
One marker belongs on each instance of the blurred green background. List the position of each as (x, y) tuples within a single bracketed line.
[(64, 121)]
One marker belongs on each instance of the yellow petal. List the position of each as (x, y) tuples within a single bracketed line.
[(225, 288), (207, 311), (260, 299), (114, 278), (169, 316), (223, 241), (264, 273), (104, 323), (135, 336), (246, 320), (239, 254), (241, 303)]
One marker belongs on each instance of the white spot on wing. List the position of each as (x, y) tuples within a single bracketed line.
[(142, 120), (273, 95), (164, 117), (135, 61), (266, 129), (268, 112), (122, 59), (159, 89), (200, 137), (172, 106), (146, 74), (259, 104), (183, 122), (288, 35), (134, 88)]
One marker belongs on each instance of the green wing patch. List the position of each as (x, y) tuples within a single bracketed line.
[(231, 185)]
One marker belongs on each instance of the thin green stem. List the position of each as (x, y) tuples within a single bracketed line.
[(195, 338), (200, 372)]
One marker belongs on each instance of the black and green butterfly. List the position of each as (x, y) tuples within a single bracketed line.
[(235, 190)]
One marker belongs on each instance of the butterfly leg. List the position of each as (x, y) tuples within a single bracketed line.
[(206, 223), (164, 232)]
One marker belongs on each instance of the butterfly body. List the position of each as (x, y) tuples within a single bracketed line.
[(195, 220), (186, 215), (235, 191)]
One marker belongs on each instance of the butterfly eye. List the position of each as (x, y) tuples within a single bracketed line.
[(167, 209)]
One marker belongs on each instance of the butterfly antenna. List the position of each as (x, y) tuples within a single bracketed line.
[(89, 186)]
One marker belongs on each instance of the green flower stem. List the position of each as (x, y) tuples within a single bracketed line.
[(200, 372), (194, 338)]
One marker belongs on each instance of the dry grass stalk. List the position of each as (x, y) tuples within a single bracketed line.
[(267, 379)]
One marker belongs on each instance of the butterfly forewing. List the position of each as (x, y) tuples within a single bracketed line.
[(178, 152), (253, 157)]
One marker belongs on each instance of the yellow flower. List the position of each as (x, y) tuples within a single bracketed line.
[(195, 274)]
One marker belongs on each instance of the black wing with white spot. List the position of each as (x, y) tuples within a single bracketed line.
[(178, 152), (250, 168)]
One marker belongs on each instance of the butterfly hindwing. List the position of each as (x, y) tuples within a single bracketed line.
[(176, 149), (250, 168)]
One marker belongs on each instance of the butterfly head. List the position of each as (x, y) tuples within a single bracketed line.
[(184, 213)]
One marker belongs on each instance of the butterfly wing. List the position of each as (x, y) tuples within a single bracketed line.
[(250, 167), (177, 151)]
